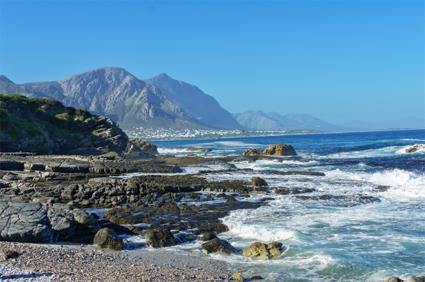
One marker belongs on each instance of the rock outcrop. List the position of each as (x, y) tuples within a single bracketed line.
[(259, 250), (160, 237), (258, 181), (218, 245), (107, 238), (46, 126), (272, 150), (25, 222)]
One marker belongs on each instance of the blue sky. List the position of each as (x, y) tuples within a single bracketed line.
[(338, 60)]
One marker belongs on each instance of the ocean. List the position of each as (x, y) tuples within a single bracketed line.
[(365, 219)]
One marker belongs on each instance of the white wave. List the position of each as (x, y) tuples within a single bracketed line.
[(413, 139), (173, 151), (236, 144), (369, 153), (412, 149), (404, 185), (272, 164), (241, 223)]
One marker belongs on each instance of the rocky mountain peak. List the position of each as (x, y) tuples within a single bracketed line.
[(3, 78)]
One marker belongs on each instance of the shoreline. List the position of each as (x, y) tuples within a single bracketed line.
[(73, 262)]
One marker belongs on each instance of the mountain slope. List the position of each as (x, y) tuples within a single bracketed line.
[(46, 126), (195, 102), (257, 120), (119, 95)]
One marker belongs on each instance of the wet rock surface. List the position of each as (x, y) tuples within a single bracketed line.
[(107, 238), (259, 250)]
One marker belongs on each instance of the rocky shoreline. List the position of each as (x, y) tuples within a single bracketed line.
[(45, 199), (58, 209)]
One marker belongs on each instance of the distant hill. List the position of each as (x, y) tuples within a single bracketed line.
[(119, 95), (257, 120)]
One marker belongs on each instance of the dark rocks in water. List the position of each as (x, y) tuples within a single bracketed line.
[(204, 217), (159, 238), (272, 150), (279, 150), (259, 250), (218, 245), (206, 236), (414, 148), (294, 190), (107, 238), (258, 181), (24, 222), (342, 200), (251, 152)]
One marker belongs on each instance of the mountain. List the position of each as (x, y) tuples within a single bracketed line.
[(119, 95), (257, 120), (196, 103)]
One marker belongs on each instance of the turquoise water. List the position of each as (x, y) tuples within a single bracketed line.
[(365, 220)]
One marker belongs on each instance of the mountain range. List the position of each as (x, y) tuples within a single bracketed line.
[(258, 120), (164, 102), (114, 92)]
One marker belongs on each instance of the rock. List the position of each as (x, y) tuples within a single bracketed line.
[(207, 236), (62, 221), (4, 183), (293, 190), (414, 148), (7, 254), (258, 182), (34, 166), (237, 276), (11, 165), (24, 222), (107, 238), (260, 250), (415, 278), (160, 237), (251, 152), (256, 277), (279, 150), (83, 217), (218, 245), (138, 149)]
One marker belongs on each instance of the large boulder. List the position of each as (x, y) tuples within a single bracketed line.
[(62, 221), (24, 222), (139, 149), (218, 245), (258, 182), (261, 250), (107, 238), (251, 152), (279, 150), (160, 237)]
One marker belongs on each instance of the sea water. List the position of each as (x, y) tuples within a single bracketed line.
[(342, 238)]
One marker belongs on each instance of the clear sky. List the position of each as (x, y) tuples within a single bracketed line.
[(338, 60)]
